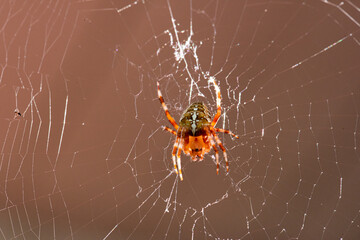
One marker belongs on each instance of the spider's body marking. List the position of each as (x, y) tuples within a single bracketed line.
[(193, 121)]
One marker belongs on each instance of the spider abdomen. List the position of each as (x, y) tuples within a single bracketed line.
[(195, 120)]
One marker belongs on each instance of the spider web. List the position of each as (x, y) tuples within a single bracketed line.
[(87, 158)]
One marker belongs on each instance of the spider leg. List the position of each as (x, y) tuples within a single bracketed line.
[(226, 131), (222, 148), (216, 155), (169, 130), (171, 119), (218, 102), (179, 160), (173, 154)]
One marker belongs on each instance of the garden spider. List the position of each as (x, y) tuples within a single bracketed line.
[(196, 133)]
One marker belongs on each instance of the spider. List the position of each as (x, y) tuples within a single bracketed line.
[(196, 133)]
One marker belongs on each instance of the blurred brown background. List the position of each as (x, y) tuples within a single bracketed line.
[(87, 158)]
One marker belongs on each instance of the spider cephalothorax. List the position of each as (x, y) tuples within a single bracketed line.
[(196, 134)]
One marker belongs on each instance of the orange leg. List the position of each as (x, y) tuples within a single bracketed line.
[(216, 155), (222, 148), (226, 131), (171, 119), (218, 102), (173, 154), (169, 130), (179, 159)]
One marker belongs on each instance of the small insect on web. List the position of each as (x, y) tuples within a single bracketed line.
[(196, 133), (17, 113)]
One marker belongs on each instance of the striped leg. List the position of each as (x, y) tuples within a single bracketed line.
[(179, 160), (169, 130), (173, 154), (171, 119), (226, 131), (222, 148), (216, 155), (218, 102)]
